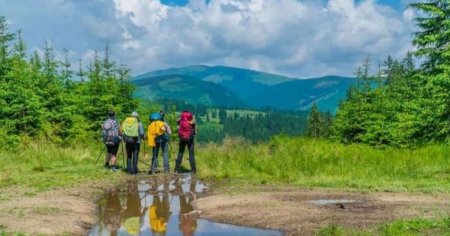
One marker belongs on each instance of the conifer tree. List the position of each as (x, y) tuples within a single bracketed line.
[(433, 45), (315, 125)]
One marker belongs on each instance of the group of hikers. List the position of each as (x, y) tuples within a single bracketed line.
[(131, 132)]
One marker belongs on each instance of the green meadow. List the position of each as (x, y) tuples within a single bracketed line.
[(48, 166), (398, 227), (283, 160), (320, 163)]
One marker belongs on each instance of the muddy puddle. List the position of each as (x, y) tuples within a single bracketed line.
[(160, 205)]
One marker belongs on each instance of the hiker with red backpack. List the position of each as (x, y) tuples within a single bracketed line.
[(158, 138), (186, 132), (111, 137), (133, 132)]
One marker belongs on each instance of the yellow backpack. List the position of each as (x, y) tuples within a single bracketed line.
[(155, 129)]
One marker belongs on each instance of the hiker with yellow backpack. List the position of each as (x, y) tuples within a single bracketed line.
[(133, 132), (158, 134)]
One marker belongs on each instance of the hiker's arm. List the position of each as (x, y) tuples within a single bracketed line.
[(168, 129), (194, 125), (141, 130)]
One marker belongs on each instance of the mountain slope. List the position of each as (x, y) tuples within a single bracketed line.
[(326, 92), (241, 82), (181, 87), (228, 86)]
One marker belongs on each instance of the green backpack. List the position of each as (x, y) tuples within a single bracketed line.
[(130, 127)]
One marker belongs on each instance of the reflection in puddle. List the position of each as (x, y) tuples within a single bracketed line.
[(160, 205)]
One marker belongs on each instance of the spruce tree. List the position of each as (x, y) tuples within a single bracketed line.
[(315, 124), (433, 45)]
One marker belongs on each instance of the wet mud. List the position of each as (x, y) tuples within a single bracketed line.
[(179, 205), (297, 211)]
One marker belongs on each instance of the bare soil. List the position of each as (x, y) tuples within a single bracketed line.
[(73, 211), (69, 211), (294, 211)]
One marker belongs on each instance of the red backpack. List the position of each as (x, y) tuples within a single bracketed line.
[(185, 127)]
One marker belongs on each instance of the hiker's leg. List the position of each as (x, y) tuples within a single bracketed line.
[(165, 151), (155, 151), (190, 144), (129, 148), (181, 146), (134, 169), (113, 159), (107, 156)]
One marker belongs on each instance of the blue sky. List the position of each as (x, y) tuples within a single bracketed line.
[(298, 38), (397, 4)]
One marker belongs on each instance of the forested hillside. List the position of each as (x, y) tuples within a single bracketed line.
[(406, 103), (185, 88), (216, 123), (41, 98)]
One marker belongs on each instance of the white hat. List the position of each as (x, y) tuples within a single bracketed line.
[(134, 114)]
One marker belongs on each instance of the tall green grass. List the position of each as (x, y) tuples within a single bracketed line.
[(440, 226), (320, 163), (46, 166), (285, 160)]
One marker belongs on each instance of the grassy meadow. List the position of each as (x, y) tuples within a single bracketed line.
[(398, 227), (320, 163), (48, 166), (282, 161)]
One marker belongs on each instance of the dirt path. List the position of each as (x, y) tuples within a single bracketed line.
[(69, 211), (301, 212), (72, 211)]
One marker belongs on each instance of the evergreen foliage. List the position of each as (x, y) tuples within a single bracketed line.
[(215, 124), (402, 105), (315, 124), (41, 97)]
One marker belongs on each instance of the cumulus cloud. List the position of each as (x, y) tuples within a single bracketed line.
[(300, 38), (297, 38)]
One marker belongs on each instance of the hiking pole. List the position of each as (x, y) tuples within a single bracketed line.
[(144, 163), (99, 156), (145, 153), (123, 156), (143, 144), (171, 150)]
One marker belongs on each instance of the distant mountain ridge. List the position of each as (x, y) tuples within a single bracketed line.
[(237, 87)]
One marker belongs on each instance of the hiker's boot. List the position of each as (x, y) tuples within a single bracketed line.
[(129, 166), (177, 165)]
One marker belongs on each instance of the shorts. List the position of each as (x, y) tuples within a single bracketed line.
[(112, 149)]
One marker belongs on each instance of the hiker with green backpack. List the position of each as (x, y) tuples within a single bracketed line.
[(133, 132)]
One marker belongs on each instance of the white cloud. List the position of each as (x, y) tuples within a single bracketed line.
[(299, 38)]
